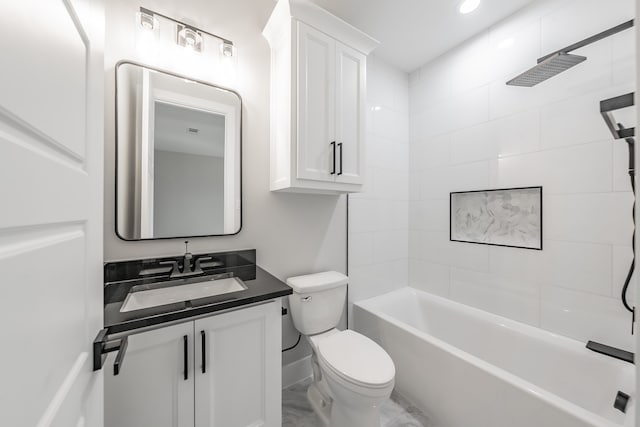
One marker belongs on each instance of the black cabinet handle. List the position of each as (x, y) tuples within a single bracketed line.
[(120, 356), (333, 144), (185, 340), (340, 146), (204, 352)]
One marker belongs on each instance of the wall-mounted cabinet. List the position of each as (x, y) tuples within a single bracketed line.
[(318, 100), (223, 370)]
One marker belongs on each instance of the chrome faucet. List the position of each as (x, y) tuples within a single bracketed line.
[(186, 264)]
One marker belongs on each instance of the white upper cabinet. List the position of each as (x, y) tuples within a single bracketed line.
[(318, 100)]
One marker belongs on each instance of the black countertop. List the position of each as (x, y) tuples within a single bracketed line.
[(120, 277)]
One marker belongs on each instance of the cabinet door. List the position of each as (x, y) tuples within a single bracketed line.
[(238, 368), (350, 113), (316, 100), (152, 388)]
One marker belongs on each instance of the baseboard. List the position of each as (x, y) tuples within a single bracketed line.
[(296, 371)]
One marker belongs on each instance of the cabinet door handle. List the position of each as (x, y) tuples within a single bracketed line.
[(185, 341), (333, 170), (340, 146), (204, 352)]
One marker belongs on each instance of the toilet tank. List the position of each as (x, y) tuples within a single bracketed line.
[(318, 300)]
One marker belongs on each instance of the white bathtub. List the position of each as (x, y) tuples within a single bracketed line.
[(468, 368)]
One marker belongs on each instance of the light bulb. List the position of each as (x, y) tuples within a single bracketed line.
[(468, 6)]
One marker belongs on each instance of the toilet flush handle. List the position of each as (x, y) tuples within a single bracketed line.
[(306, 299)]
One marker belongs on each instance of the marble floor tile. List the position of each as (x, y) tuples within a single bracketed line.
[(396, 412)]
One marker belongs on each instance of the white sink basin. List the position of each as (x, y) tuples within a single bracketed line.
[(172, 294)]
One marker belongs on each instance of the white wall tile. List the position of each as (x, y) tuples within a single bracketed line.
[(515, 264), (578, 19), (469, 67), (362, 215), (591, 218), (429, 215), (360, 249), (379, 217), (579, 169), (468, 256), (432, 246), (621, 179), (390, 124), (470, 131), (390, 245), (429, 277), (518, 133), (572, 121), (584, 267), (430, 153), (474, 143), (622, 257), (515, 299), (586, 317)]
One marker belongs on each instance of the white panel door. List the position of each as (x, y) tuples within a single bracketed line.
[(316, 100), (239, 384), (51, 162), (350, 113), (153, 387)]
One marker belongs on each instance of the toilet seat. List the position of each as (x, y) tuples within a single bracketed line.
[(356, 359)]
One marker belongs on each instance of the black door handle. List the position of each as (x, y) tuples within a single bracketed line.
[(204, 352), (340, 145), (333, 144), (185, 340)]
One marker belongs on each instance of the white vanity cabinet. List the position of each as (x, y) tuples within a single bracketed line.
[(318, 100), (238, 385), (152, 388)]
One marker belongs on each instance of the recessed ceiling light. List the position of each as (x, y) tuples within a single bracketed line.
[(468, 6)]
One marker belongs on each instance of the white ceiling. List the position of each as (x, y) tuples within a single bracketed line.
[(413, 32), (172, 130)]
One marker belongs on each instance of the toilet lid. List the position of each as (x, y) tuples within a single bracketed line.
[(357, 359)]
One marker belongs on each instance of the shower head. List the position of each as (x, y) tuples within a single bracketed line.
[(553, 65), (561, 60)]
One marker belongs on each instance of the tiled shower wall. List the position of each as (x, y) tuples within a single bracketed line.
[(379, 216), (470, 131)]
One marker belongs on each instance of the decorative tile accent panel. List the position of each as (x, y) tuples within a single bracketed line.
[(504, 217)]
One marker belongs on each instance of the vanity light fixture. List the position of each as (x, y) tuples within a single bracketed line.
[(186, 35), (189, 37), (147, 21), (468, 6), (226, 48)]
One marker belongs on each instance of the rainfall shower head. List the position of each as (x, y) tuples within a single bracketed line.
[(555, 64), (561, 60)]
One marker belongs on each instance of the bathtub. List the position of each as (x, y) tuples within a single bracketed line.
[(468, 368)]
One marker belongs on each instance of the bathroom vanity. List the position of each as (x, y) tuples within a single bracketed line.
[(207, 361)]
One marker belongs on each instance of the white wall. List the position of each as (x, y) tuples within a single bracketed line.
[(188, 194), (293, 234), (378, 217), (470, 131)]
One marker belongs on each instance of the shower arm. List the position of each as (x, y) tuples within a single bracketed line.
[(617, 103), (589, 40)]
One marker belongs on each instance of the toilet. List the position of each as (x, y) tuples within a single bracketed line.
[(352, 375)]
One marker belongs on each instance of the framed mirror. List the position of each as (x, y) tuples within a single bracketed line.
[(178, 156)]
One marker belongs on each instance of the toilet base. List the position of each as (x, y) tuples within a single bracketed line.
[(342, 416), (319, 405)]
